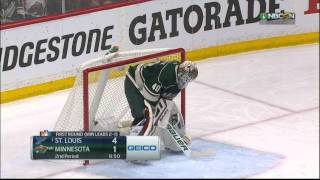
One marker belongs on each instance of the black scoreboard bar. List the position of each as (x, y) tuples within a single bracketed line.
[(93, 145)]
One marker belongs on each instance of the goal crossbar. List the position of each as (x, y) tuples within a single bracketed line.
[(120, 63)]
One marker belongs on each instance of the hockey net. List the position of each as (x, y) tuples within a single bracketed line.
[(97, 101)]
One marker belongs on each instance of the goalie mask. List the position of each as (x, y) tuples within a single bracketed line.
[(187, 72)]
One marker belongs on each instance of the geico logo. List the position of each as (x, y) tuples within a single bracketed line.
[(142, 148)]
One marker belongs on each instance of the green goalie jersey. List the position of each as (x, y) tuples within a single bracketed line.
[(155, 80)]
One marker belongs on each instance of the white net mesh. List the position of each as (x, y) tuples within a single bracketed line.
[(106, 98)]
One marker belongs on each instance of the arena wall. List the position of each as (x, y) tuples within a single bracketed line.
[(41, 56)]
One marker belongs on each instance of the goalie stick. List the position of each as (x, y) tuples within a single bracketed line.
[(160, 112), (179, 140)]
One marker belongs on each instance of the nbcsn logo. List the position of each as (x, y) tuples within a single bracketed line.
[(278, 18)]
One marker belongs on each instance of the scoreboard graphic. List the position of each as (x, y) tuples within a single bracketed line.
[(94, 145)]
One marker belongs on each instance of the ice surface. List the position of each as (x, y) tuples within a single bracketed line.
[(225, 161), (264, 103)]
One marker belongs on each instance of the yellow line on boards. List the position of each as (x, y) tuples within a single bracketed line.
[(254, 45)]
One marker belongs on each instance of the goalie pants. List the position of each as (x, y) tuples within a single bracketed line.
[(135, 101)]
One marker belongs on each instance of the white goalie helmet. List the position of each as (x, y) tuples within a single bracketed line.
[(187, 72)]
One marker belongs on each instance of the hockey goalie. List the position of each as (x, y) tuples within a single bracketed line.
[(150, 89)]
